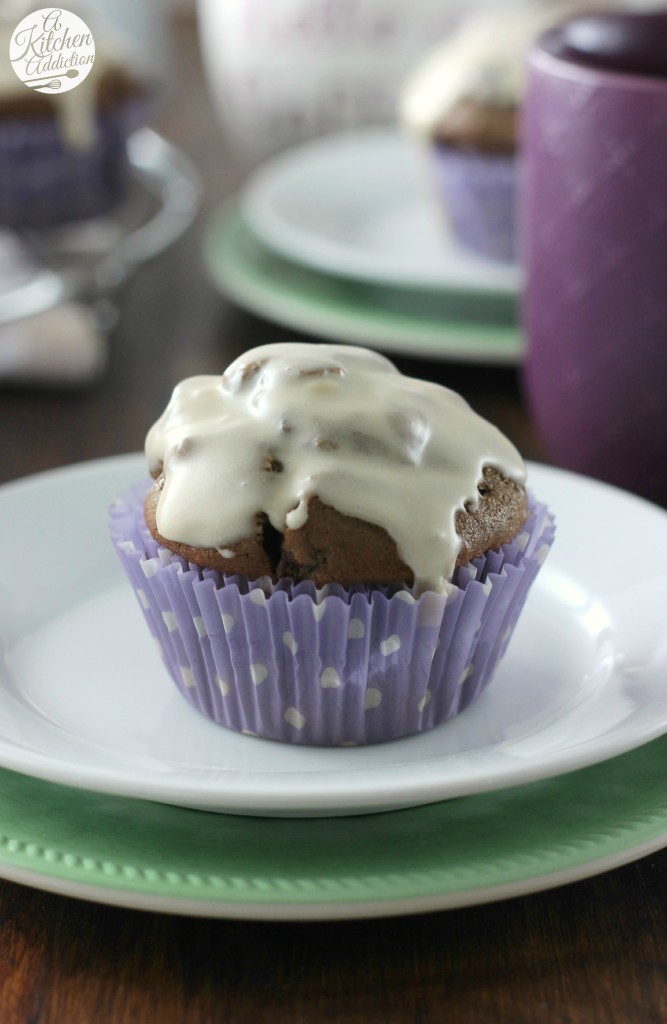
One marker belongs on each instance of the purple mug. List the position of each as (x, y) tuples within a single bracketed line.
[(594, 245)]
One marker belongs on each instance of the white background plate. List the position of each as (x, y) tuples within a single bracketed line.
[(353, 205), (437, 325), (85, 700)]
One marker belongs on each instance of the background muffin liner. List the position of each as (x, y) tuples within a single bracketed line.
[(329, 666), (44, 182), (479, 194)]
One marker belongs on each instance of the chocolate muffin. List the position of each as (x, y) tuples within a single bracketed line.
[(313, 448), (331, 552), (335, 548)]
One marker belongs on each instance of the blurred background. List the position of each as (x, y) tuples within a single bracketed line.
[(222, 249)]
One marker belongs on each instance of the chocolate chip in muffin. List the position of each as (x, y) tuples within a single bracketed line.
[(271, 464)]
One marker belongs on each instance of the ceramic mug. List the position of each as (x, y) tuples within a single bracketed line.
[(594, 245)]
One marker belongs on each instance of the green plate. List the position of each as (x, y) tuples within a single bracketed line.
[(459, 852), (456, 325)]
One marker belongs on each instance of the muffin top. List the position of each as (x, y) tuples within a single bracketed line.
[(481, 65), (293, 426)]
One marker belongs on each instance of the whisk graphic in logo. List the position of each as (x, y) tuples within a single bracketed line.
[(52, 50)]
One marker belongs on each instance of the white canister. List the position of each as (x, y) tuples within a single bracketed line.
[(282, 71)]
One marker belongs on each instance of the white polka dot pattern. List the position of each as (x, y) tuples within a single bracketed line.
[(390, 645), (258, 673), (295, 718), (327, 667), (329, 678), (465, 675), (424, 701), (290, 642), (170, 621)]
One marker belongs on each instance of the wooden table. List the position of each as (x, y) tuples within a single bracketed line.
[(593, 952)]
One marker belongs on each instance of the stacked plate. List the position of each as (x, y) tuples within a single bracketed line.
[(337, 238), (113, 788)]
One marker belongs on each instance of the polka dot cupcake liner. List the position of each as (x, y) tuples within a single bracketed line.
[(44, 182), (331, 666), (479, 194)]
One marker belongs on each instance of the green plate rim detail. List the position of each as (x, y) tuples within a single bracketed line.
[(408, 321), (436, 851)]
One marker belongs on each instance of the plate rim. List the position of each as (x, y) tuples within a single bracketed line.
[(324, 254), (328, 797), (296, 298), (60, 852), (338, 911)]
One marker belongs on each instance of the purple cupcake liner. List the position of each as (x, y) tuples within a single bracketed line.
[(44, 182), (480, 195), (332, 666)]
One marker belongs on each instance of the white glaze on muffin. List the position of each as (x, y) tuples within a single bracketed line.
[(290, 423)]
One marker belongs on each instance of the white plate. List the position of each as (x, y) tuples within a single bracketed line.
[(436, 325), (353, 205), (85, 700)]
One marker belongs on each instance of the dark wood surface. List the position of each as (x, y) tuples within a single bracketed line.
[(593, 952)]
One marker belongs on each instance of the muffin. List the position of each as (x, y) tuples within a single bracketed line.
[(63, 155), (462, 105), (329, 552)]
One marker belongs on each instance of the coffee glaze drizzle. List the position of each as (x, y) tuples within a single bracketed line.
[(290, 421)]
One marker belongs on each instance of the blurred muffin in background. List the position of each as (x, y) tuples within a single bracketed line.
[(462, 105), (63, 154)]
